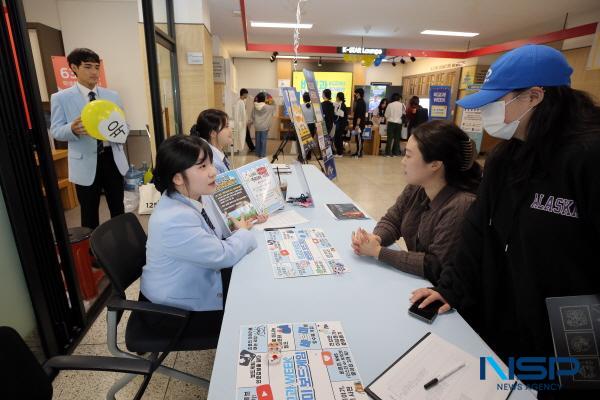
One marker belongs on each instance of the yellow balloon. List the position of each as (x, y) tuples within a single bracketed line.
[(95, 112)]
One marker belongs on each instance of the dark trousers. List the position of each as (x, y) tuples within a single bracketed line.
[(338, 138), (108, 178), (249, 140), (202, 323), (359, 142), (312, 127), (394, 133)]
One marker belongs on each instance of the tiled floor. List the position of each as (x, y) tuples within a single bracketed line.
[(373, 183)]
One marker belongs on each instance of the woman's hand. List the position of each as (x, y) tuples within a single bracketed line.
[(357, 239), (366, 244), (430, 296), (262, 218), (240, 224)]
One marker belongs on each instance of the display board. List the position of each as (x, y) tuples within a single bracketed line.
[(334, 81)]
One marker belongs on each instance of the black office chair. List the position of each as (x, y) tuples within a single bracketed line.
[(119, 246), (22, 377)]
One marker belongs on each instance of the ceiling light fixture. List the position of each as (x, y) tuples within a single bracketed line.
[(320, 63), (402, 61), (394, 62), (273, 56), (448, 33), (284, 25), (413, 59)]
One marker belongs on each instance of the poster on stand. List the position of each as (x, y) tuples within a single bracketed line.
[(323, 137), (292, 106)]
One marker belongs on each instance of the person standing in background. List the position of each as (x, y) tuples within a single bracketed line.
[(262, 118), (328, 110), (415, 114), (341, 123), (358, 122), (393, 114), (240, 119), (381, 110), (94, 165), (309, 117)]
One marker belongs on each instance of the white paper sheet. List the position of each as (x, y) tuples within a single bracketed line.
[(282, 220)]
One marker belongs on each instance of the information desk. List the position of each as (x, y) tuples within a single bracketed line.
[(371, 301)]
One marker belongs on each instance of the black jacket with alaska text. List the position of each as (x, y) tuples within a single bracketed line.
[(522, 243)]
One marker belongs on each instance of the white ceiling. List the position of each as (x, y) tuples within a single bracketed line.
[(398, 23)]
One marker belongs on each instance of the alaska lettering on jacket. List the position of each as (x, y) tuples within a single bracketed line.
[(558, 205)]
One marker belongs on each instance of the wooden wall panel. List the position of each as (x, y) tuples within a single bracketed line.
[(197, 90)]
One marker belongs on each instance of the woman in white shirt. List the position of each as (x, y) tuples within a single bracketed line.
[(393, 114), (309, 118), (213, 126)]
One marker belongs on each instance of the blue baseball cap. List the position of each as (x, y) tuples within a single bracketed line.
[(524, 67)]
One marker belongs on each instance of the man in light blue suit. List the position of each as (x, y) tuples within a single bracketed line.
[(94, 165)]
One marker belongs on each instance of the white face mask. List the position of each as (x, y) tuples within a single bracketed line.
[(492, 117)]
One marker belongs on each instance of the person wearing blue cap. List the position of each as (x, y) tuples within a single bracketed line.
[(534, 230)]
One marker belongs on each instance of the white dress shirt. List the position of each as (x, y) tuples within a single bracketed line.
[(394, 112)]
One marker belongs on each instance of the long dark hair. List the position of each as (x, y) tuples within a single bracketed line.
[(176, 154), (306, 97), (443, 141), (260, 98), (340, 96), (208, 121), (564, 116)]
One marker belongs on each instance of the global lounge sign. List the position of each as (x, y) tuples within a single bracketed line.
[(361, 50)]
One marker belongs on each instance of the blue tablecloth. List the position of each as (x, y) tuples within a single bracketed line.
[(371, 301)]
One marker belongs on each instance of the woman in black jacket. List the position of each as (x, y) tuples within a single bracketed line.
[(328, 110), (534, 230), (341, 123)]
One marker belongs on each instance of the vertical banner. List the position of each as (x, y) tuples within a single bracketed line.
[(323, 136), (293, 109), (439, 102), (471, 120), (471, 124), (65, 78)]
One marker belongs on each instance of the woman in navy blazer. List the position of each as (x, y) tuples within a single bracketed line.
[(184, 255)]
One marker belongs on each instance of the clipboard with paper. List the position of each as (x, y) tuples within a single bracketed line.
[(432, 356)]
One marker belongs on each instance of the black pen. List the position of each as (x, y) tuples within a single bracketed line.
[(440, 378), (282, 227)]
